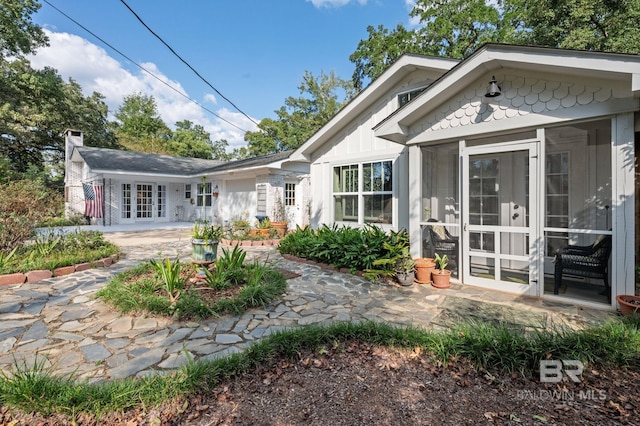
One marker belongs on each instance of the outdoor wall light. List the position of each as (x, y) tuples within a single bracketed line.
[(493, 90), (215, 192)]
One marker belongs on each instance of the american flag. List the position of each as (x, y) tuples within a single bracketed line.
[(92, 200)]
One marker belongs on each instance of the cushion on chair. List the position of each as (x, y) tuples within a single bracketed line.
[(439, 231)]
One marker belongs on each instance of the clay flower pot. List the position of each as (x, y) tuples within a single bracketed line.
[(424, 266), (441, 279), (629, 305)]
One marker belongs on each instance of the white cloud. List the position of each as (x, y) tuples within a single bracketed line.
[(210, 97), (334, 3), (99, 72)]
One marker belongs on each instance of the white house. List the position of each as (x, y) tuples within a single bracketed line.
[(136, 187), (517, 151)]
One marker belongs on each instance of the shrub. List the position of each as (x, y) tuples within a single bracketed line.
[(342, 247), (23, 205)]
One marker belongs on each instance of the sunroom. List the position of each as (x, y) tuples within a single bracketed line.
[(518, 155)]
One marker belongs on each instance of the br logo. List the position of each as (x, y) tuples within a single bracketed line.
[(553, 370)]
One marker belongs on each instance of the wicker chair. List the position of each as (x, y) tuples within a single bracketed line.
[(584, 261), (439, 240)]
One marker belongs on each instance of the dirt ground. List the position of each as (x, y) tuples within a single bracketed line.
[(360, 384)]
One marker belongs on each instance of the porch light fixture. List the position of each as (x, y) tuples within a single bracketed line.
[(493, 90), (215, 192)]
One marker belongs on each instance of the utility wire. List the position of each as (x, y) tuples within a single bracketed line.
[(186, 63), (146, 70)]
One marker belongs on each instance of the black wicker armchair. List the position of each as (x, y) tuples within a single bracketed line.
[(584, 261), (439, 240)]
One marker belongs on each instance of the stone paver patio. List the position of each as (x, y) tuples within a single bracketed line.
[(59, 323)]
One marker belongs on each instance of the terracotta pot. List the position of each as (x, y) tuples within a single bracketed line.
[(441, 279), (629, 305), (260, 232), (424, 267), (280, 227)]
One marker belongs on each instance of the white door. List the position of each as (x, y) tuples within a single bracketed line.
[(499, 217), (292, 204), (144, 202)]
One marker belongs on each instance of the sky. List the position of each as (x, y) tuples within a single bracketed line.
[(251, 52)]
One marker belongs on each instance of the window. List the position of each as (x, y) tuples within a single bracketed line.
[(484, 175), (367, 186), (204, 192), (162, 200), (345, 193), (289, 194), (557, 171), (405, 98), (187, 191), (126, 201)]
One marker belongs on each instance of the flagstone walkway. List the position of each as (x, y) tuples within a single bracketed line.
[(58, 323)]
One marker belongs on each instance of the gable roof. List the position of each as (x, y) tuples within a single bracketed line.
[(251, 163), (492, 57), (403, 66), (105, 160)]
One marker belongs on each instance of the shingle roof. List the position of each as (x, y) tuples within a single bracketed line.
[(104, 159), (251, 162), (138, 162)]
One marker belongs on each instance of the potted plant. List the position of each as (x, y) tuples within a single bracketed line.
[(423, 269), (629, 305), (262, 228), (397, 263), (404, 268), (204, 242), (442, 277), (279, 221), (240, 225)]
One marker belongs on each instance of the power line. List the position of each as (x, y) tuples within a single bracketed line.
[(186, 63), (146, 70)]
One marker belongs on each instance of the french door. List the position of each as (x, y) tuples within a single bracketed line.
[(144, 202), (499, 216)]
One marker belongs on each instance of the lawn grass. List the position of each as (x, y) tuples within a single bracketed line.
[(50, 251), (497, 348), (144, 290)]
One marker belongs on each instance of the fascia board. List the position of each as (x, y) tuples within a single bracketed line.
[(493, 57)]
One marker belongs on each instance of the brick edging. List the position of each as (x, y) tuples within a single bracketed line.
[(250, 243), (43, 274)]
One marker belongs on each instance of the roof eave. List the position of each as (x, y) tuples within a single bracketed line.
[(403, 66)]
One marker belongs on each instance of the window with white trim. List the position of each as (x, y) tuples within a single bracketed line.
[(289, 194), (406, 97), (126, 201), (204, 193), (363, 193), (187, 191)]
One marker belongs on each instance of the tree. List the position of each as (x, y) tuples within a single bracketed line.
[(140, 127), (380, 50), (36, 107), (456, 28), (219, 150), (190, 141), (598, 25), (18, 34), (300, 117)]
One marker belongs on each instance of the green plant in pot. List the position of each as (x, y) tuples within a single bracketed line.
[(404, 268), (441, 277), (397, 263), (279, 221), (205, 242)]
